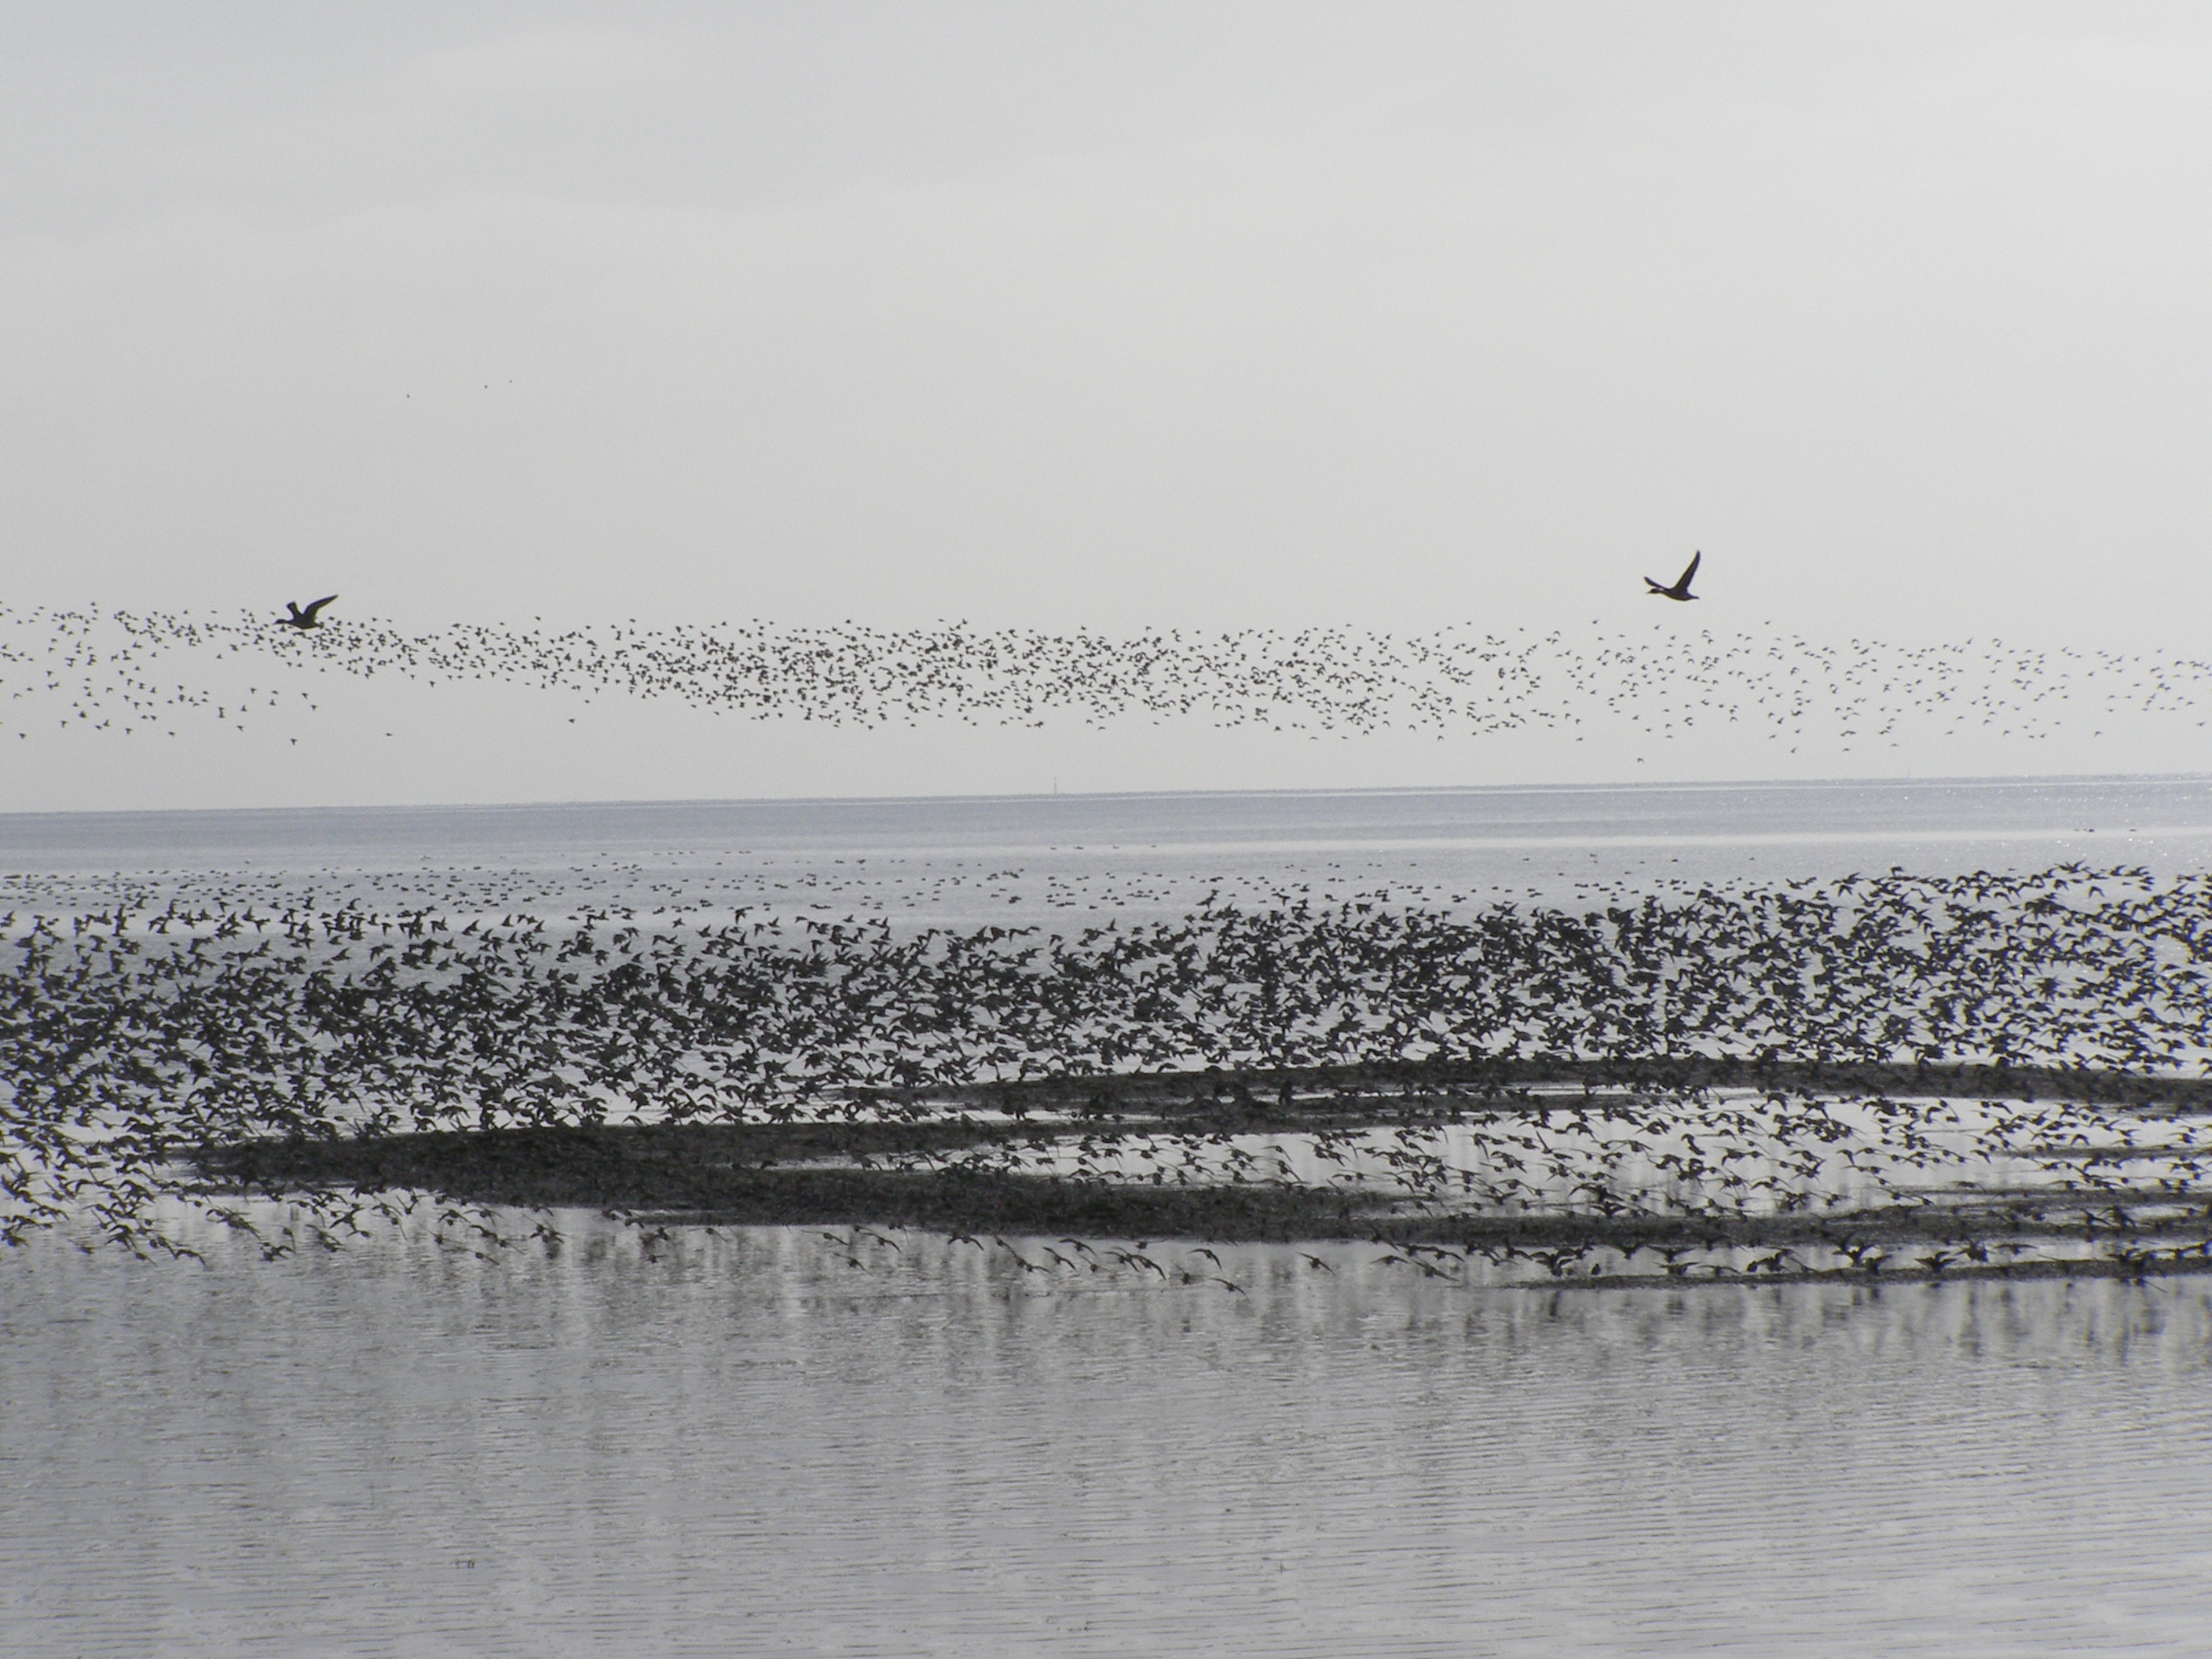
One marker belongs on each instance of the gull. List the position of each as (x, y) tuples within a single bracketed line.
[(299, 618), (1680, 590)]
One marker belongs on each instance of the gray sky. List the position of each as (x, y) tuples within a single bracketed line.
[(1184, 314)]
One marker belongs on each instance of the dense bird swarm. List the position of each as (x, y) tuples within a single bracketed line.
[(1573, 1088), (1754, 1069), (141, 671)]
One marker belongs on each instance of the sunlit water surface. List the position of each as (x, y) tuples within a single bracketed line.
[(1067, 861), (741, 1444)]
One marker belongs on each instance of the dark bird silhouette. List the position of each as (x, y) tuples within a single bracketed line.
[(306, 618), (1680, 590)]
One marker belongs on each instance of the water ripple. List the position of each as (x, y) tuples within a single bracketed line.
[(741, 1446)]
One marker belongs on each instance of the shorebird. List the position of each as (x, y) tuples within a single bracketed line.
[(1680, 590), (299, 618)]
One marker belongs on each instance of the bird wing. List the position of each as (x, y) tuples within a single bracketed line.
[(1683, 586), (308, 615)]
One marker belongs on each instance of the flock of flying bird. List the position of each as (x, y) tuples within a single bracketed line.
[(116, 670), (129, 1040)]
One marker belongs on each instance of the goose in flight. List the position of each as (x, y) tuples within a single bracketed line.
[(1680, 590), (305, 618)]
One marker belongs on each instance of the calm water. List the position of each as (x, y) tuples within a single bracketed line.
[(959, 861), (744, 1445), (749, 1447)]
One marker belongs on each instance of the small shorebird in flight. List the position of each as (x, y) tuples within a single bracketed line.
[(299, 618), (1680, 590)]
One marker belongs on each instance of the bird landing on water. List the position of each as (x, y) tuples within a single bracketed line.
[(305, 618), (1680, 590)]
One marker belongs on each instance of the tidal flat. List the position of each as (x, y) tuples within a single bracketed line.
[(2103, 1185), (1998, 1066)]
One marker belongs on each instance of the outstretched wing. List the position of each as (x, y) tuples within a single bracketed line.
[(1683, 585), (308, 615)]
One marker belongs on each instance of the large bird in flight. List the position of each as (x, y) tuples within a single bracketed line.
[(1680, 590), (299, 618)]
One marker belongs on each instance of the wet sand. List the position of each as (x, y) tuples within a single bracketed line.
[(911, 1164)]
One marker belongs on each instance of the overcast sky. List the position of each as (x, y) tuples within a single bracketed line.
[(1114, 315)]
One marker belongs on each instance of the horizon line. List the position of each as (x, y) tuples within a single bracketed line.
[(1624, 787)]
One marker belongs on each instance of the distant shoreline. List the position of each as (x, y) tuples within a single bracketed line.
[(1626, 785)]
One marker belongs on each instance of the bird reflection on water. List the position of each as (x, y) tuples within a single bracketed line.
[(741, 1442)]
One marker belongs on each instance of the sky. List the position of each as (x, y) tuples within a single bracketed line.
[(1194, 314)]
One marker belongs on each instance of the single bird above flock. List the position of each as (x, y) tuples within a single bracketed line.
[(299, 618), (1680, 590)]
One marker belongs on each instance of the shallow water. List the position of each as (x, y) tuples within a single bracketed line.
[(747, 1447)]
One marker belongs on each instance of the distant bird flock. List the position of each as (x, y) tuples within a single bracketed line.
[(151, 671), (135, 1044), (1569, 1088)]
